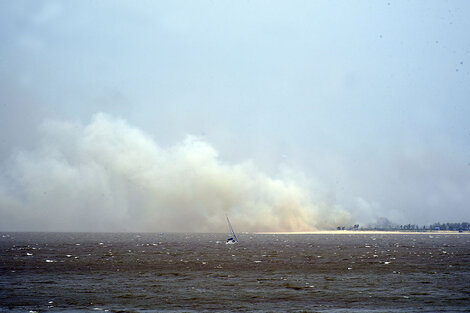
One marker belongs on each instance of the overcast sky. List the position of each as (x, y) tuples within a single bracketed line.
[(292, 115)]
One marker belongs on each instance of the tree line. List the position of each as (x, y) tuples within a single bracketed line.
[(451, 226), (463, 226)]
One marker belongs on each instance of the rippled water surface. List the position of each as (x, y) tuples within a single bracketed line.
[(363, 272)]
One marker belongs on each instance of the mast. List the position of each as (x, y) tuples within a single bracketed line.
[(231, 229)]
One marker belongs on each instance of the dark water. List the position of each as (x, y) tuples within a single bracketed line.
[(84, 272)]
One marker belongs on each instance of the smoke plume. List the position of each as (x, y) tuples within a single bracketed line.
[(110, 176)]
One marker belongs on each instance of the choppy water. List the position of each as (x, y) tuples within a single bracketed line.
[(82, 272)]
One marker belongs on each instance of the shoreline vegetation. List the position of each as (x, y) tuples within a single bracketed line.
[(386, 227), (369, 231)]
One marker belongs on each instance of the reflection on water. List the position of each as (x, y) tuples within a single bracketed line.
[(82, 272)]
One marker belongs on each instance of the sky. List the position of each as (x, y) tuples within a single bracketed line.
[(284, 115)]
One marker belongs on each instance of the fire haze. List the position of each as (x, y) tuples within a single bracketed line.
[(110, 176)]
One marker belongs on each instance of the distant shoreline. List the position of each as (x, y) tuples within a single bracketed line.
[(318, 232), (358, 232)]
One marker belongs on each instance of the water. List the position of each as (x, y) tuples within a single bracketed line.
[(92, 272)]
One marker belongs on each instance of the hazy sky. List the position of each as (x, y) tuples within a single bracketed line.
[(287, 115)]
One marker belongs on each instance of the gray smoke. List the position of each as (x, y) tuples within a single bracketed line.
[(110, 176)]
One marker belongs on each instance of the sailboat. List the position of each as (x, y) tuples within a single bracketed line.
[(233, 239)]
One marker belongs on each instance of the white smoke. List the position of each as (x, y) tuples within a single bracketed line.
[(110, 176)]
